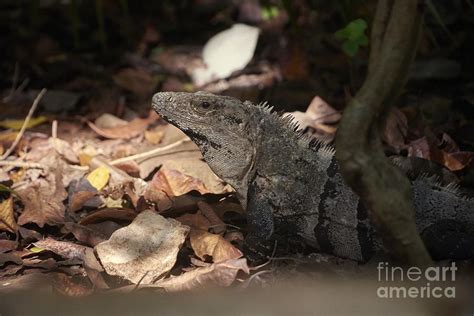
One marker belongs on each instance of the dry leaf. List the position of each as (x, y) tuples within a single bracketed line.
[(132, 129), (10, 257), (319, 116), (84, 234), (65, 285), (99, 177), (7, 245), (218, 226), (105, 214), (144, 250), (64, 149), (174, 183), (7, 219), (107, 120), (458, 160), (207, 244), (220, 274), (155, 135), (43, 200), (65, 249), (195, 221), (17, 124)]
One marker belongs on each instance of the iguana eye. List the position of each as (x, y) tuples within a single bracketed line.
[(205, 105)]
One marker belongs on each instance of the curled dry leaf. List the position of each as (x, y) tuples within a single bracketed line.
[(454, 161), (181, 176), (144, 250), (175, 183), (207, 244), (218, 226), (220, 274), (7, 245), (320, 116), (155, 135), (10, 257), (195, 221), (7, 220), (106, 214), (66, 286), (65, 249), (132, 129), (64, 149), (84, 234), (81, 193), (43, 200)]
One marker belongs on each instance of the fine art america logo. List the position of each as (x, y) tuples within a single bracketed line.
[(432, 282)]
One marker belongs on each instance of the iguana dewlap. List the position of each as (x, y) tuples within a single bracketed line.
[(291, 186)]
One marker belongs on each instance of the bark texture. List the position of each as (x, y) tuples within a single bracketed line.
[(383, 188)]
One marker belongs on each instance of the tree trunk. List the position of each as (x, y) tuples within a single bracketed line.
[(385, 191)]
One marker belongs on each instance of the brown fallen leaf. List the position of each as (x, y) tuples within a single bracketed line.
[(144, 250), (112, 214), (456, 161), (64, 149), (319, 116), (36, 263), (426, 149), (212, 245), (218, 226), (43, 200), (175, 183), (65, 285), (195, 221), (84, 234), (81, 193), (93, 269), (65, 249), (132, 129), (155, 135), (7, 219), (10, 257), (7, 245), (220, 274)]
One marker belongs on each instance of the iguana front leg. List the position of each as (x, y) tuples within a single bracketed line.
[(258, 244)]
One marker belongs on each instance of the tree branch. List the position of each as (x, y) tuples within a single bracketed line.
[(385, 191)]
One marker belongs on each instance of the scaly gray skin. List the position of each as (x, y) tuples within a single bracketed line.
[(291, 186)]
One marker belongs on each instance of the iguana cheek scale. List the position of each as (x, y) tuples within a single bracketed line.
[(291, 186)]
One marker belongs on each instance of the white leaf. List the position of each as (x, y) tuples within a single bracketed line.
[(230, 50)]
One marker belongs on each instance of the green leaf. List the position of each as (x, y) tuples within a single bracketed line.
[(350, 48), (353, 37)]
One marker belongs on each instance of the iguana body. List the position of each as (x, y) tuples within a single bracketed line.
[(291, 186)]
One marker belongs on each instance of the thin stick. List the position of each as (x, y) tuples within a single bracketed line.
[(149, 153), (54, 129), (25, 124), (22, 164)]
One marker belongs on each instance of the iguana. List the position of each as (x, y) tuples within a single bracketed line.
[(291, 186)]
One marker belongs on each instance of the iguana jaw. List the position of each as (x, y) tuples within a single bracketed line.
[(219, 127)]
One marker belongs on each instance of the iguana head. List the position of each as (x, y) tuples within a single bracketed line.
[(221, 126)]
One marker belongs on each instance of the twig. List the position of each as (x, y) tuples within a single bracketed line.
[(54, 129), (25, 124), (149, 153), (22, 164)]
